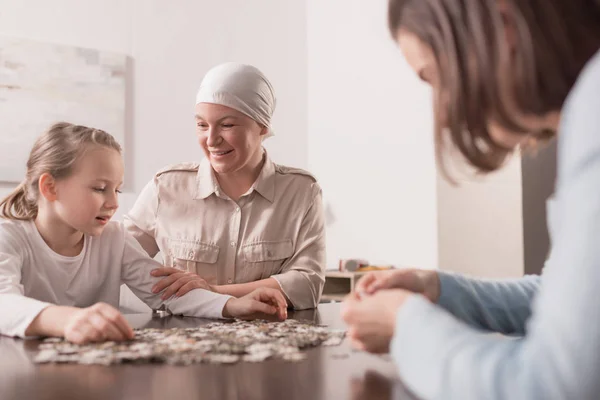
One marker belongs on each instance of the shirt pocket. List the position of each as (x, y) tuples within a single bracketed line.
[(197, 257), (264, 259)]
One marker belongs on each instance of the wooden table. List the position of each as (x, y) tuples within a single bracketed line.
[(327, 373)]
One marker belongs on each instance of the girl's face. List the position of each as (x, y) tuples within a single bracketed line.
[(230, 139), (88, 198)]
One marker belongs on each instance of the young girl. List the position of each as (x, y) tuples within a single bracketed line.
[(61, 259)]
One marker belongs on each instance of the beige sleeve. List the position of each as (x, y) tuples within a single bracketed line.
[(141, 220), (303, 274)]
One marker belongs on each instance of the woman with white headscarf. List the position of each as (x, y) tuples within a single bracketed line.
[(236, 221)]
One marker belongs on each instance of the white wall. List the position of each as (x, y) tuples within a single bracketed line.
[(171, 45), (349, 109), (480, 224), (369, 137), (376, 167)]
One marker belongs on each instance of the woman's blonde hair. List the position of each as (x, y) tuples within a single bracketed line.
[(55, 152)]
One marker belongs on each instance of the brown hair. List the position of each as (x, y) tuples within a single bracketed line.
[(553, 41), (55, 152)]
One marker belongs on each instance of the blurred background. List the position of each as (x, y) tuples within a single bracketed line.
[(349, 110)]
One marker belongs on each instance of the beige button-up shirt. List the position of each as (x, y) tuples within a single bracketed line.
[(275, 230)]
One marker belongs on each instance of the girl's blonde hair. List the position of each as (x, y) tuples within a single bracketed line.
[(54, 153)]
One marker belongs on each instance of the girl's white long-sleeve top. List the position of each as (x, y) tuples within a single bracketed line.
[(33, 276)]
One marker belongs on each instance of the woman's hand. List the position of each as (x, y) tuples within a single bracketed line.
[(177, 282), (98, 323), (420, 281), (372, 319), (260, 303)]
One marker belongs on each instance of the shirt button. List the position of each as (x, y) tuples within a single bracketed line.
[(237, 209), (232, 244), (229, 281), (191, 254)]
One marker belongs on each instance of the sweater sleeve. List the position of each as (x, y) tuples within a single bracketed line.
[(502, 306), (16, 310)]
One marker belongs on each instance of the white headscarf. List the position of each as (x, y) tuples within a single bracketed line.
[(241, 87)]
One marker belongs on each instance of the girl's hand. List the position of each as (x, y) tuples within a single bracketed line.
[(98, 323)]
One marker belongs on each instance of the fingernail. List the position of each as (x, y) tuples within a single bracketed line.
[(154, 290)]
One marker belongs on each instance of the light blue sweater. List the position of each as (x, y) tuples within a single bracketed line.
[(444, 352)]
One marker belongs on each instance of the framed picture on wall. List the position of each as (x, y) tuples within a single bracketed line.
[(43, 83)]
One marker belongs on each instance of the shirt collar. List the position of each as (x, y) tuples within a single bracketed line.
[(207, 184), (265, 183)]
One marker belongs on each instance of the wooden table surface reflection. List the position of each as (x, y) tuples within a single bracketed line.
[(327, 373)]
